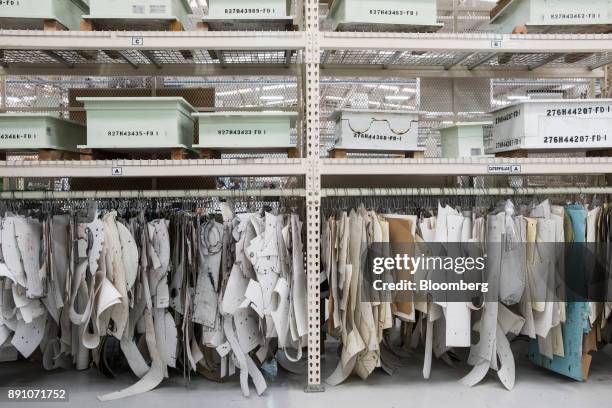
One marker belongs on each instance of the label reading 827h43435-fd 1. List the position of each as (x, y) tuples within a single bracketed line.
[(129, 133)]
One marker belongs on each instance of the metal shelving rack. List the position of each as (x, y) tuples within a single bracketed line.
[(308, 55)]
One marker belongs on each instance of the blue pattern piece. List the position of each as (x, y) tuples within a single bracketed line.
[(577, 314)]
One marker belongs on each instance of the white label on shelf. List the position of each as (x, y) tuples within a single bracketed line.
[(117, 171), (504, 168), (496, 44), (136, 41)]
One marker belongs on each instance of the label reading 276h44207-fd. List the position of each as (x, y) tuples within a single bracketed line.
[(574, 111), (599, 138)]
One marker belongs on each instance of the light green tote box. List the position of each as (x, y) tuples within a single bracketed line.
[(145, 123), (246, 130), (33, 131), (248, 14), (389, 15), (553, 15), (30, 14), (139, 10)]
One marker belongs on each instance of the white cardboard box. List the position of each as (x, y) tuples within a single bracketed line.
[(548, 125), (376, 131), (463, 139)]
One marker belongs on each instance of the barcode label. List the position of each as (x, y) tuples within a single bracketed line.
[(158, 9)]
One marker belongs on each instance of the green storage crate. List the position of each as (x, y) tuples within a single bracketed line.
[(248, 14), (246, 131), (384, 15), (552, 16), (464, 140), (138, 123), (31, 14), (139, 10), (32, 131)]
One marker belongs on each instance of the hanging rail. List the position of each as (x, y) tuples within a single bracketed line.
[(73, 195), (357, 192)]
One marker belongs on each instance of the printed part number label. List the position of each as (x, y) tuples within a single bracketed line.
[(575, 139), (391, 12)]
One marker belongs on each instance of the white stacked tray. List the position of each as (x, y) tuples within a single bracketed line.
[(376, 131), (549, 125)]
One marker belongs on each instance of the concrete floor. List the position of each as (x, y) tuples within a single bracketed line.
[(534, 387)]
